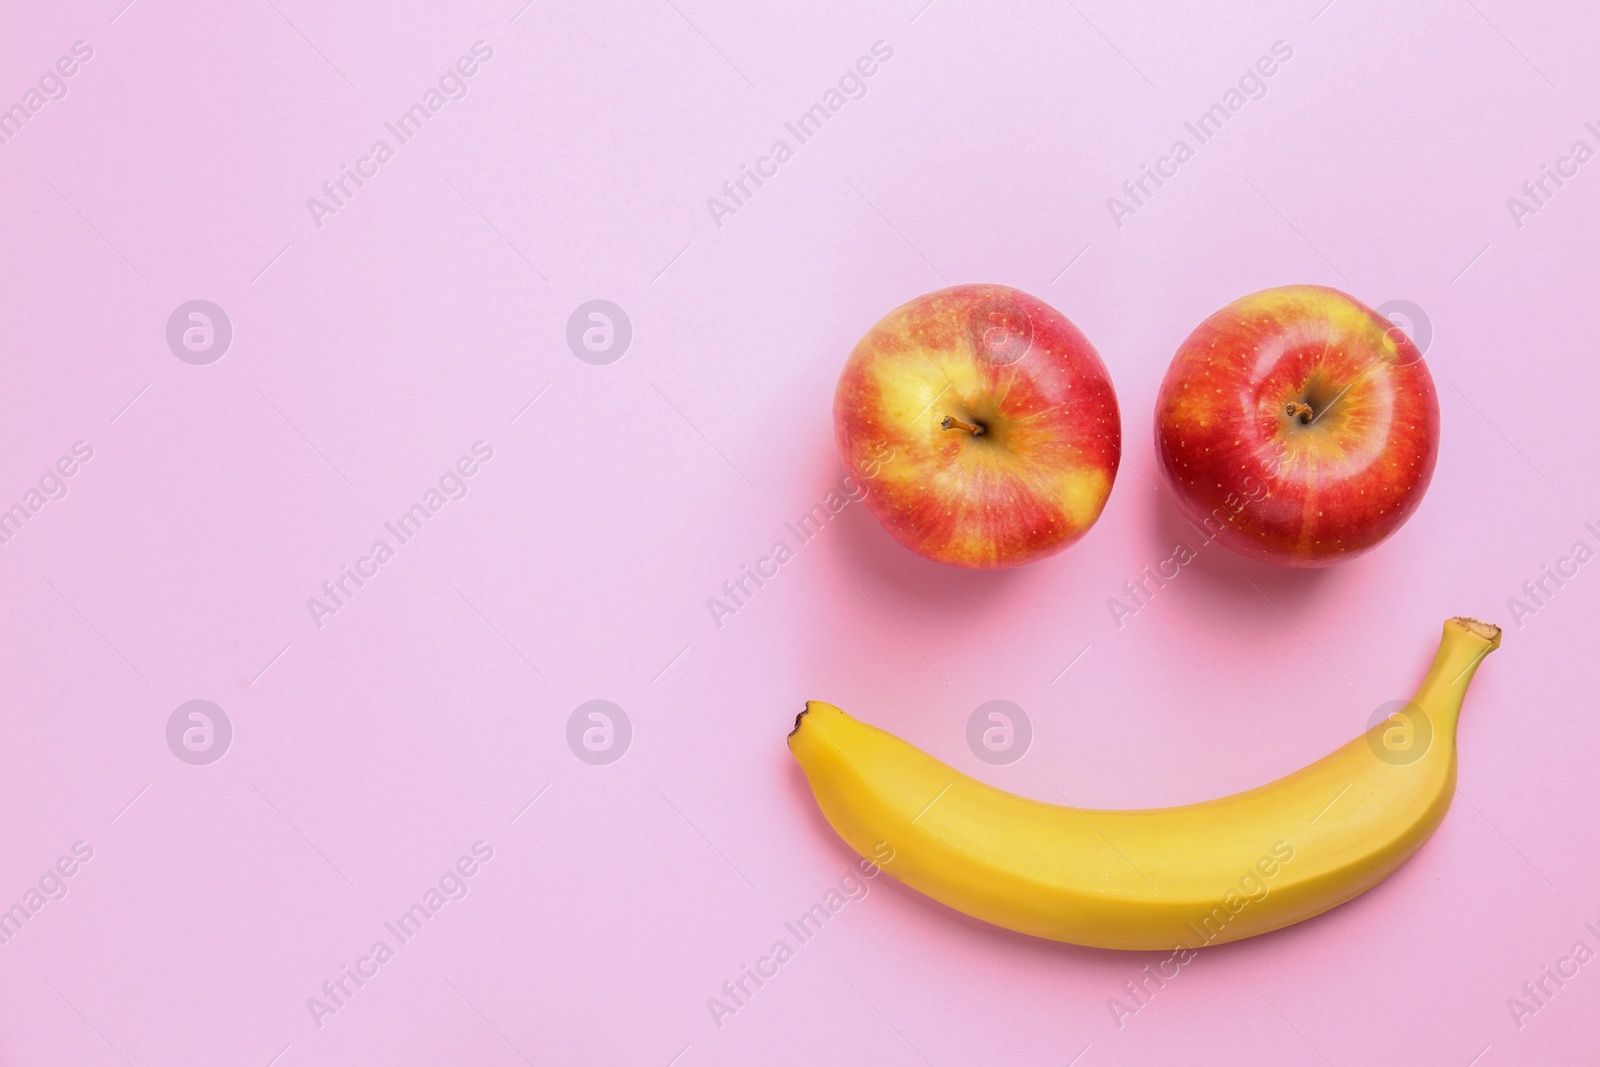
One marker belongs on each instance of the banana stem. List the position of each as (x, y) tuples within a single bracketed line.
[(1462, 647)]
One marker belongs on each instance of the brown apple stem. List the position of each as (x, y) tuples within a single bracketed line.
[(950, 422), (1302, 410)]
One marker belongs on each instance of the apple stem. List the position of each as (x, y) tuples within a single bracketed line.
[(950, 422), (1302, 410)]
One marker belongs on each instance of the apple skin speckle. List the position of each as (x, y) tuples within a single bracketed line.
[(1038, 477), (1300, 494)]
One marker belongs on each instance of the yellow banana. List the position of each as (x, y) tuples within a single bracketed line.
[(1160, 878)]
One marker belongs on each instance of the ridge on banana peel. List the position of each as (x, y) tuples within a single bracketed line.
[(1160, 878)]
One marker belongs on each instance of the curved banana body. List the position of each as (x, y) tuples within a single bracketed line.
[(1160, 878)]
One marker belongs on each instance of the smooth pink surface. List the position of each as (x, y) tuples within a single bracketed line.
[(372, 752)]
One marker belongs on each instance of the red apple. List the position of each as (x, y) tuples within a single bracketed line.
[(984, 425), (1299, 426)]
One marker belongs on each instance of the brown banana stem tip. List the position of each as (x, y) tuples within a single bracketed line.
[(1486, 630)]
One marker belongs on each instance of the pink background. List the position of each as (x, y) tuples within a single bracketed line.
[(368, 354)]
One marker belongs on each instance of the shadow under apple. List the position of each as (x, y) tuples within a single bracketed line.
[(1226, 576), (868, 550)]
